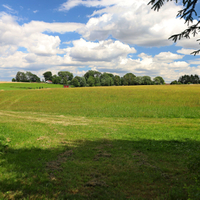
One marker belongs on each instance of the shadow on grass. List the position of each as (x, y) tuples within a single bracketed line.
[(101, 169)]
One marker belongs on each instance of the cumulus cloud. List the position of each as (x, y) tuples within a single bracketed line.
[(186, 51), (31, 35), (99, 51), (133, 22)]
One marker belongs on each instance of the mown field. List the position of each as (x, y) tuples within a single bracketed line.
[(137, 142), (24, 86)]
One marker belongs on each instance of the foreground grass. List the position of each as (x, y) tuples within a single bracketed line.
[(50, 150)]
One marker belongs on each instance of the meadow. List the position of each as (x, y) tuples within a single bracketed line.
[(127, 142)]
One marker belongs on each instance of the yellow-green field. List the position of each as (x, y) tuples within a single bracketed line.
[(136, 142)]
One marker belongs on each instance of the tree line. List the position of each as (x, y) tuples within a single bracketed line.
[(90, 78), (187, 79)]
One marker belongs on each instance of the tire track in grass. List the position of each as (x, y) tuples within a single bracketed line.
[(56, 119)]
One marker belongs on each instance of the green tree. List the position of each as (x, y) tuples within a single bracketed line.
[(117, 80), (174, 82), (75, 82), (139, 80), (81, 80), (65, 76), (146, 80), (32, 77), (129, 79), (91, 81), (187, 13), (47, 75), (158, 80), (21, 77), (92, 73), (106, 79), (56, 79)]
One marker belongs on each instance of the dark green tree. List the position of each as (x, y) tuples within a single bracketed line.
[(92, 73), (139, 80), (21, 77), (117, 80), (75, 82), (81, 80), (65, 76), (187, 13), (56, 79), (47, 75), (146, 80), (91, 81), (158, 80), (106, 79), (129, 79)]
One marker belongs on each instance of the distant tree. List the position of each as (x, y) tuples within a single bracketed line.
[(21, 77), (146, 80), (174, 82), (117, 80), (65, 76), (106, 79), (56, 79), (75, 82), (129, 79), (81, 80), (32, 77), (92, 73), (97, 81), (158, 80), (91, 81), (139, 80), (13, 80), (189, 79), (47, 76)]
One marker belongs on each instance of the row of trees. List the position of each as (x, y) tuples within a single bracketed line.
[(90, 78), (26, 77), (95, 78), (187, 79)]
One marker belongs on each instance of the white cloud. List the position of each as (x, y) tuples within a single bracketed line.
[(7, 7), (101, 51), (30, 35), (35, 11), (134, 22), (186, 51), (89, 3)]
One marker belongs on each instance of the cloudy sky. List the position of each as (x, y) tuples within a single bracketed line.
[(106, 35)]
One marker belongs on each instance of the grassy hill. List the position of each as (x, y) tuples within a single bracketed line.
[(137, 142)]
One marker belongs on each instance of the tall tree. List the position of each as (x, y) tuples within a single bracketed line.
[(92, 73), (47, 75), (187, 13), (65, 74), (129, 79)]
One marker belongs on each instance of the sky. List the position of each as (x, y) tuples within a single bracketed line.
[(112, 36)]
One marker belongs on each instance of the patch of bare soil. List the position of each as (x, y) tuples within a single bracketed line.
[(101, 154), (55, 165), (95, 182)]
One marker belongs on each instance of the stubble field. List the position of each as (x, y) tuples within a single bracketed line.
[(136, 142)]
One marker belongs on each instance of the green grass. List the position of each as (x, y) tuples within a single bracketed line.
[(100, 143), (25, 86)]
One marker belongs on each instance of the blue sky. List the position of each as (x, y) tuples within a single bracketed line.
[(78, 35)]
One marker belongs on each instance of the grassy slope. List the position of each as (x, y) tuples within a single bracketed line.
[(98, 143)]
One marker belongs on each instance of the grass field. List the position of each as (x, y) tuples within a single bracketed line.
[(138, 142), (24, 86)]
